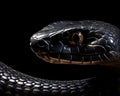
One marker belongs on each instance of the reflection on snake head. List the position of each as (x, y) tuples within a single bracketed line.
[(83, 42)]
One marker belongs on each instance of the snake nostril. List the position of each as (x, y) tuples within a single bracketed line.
[(42, 44), (39, 46)]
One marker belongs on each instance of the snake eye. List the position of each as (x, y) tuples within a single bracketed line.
[(77, 39)]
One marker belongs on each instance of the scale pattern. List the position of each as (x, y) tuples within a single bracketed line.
[(99, 42)]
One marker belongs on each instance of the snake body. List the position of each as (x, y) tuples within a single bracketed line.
[(79, 43)]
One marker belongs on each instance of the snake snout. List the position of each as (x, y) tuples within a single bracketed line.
[(40, 47)]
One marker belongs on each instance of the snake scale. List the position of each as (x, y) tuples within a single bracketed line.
[(86, 42)]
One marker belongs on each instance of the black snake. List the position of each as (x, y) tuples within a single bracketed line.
[(78, 42)]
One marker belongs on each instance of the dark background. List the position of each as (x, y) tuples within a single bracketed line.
[(19, 22)]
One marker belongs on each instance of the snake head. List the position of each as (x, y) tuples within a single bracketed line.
[(79, 42)]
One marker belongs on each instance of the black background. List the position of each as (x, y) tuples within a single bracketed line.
[(19, 22)]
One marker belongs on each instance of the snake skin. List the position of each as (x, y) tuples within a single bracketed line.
[(14, 83)]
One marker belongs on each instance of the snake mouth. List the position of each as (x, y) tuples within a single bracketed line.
[(80, 59), (62, 60)]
